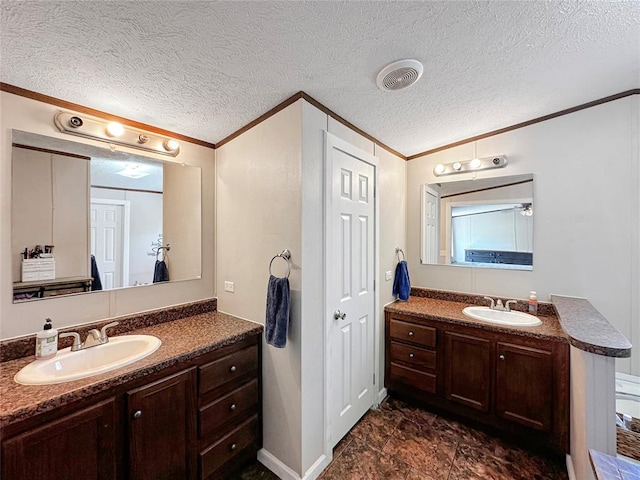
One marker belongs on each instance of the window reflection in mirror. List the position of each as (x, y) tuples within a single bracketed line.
[(479, 223), (86, 218)]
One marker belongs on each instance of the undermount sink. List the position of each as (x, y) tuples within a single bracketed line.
[(502, 317), (66, 365)]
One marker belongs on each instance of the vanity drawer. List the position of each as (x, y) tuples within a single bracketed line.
[(414, 356), (212, 458), (415, 378), (228, 408), (226, 369), (410, 332)]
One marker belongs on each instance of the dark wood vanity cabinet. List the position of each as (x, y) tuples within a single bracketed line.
[(509, 381), (201, 419), (79, 445)]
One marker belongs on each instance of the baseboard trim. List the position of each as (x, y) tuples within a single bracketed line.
[(382, 394), (267, 459), (570, 471), (317, 468)]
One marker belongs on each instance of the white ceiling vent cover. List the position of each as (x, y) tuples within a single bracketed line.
[(399, 75)]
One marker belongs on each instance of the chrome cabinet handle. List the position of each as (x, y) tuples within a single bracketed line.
[(137, 414), (338, 315), (233, 446), (411, 355), (411, 334), (233, 368), (501, 357), (232, 407)]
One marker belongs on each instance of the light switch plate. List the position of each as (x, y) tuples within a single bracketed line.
[(229, 287), (387, 275)]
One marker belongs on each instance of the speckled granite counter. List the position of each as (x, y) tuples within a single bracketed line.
[(608, 467), (451, 312), (588, 330), (182, 340)]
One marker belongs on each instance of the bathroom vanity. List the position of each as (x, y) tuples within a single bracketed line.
[(512, 378), (192, 409)]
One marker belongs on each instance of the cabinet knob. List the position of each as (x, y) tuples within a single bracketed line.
[(411, 355), (411, 334), (137, 414), (232, 407), (501, 357), (233, 446), (233, 368)]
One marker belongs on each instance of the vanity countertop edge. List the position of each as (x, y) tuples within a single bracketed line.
[(588, 329), (451, 312), (182, 340)]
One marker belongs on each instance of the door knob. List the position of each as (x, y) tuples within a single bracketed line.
[(338, 315)]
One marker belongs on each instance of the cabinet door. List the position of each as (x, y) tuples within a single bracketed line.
[(468, 370), (80, 445), (524, 385), (162, 428)]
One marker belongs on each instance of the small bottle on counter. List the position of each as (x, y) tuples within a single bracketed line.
[(533, 303), (47, 341)]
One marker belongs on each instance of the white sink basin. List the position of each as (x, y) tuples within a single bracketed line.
[(67, 365), (501, 317)]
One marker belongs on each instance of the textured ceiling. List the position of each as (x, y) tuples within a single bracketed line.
[(205, 69)]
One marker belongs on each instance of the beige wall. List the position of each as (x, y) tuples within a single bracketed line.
[(20, 319), (586, 215)]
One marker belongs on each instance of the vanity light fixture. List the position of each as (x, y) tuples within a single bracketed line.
[(115, 133), (485, 163)]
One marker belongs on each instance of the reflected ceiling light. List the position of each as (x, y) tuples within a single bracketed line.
[(115, 133), (133, 171), (114, 129), (486, 163)]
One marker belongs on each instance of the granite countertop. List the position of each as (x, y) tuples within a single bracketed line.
[(182, 340), (451, 312), (588, 329), (608, 467)]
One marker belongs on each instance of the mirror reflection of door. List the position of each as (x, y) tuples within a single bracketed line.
[(108, 240)]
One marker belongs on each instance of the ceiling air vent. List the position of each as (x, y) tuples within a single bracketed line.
[(399, 75)]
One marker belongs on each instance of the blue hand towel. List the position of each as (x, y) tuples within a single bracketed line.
[(160, 272), (401, 283), (277, 319)]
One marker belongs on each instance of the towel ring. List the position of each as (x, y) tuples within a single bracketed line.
[(398, 252), (285, 255)]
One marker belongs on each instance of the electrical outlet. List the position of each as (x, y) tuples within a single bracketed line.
[(387, 275), (229, 287)]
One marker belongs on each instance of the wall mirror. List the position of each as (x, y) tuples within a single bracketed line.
[(86, 218), (479, 223)]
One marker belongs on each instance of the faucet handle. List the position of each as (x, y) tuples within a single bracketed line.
[(506, 305), (77, 343), (492, 306), (103, 331)]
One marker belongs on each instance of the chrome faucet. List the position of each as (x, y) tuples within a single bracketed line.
[(93, 339), (506, 305), (497, 305)]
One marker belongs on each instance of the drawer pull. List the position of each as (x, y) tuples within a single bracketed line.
[(232, 407), (501, 357), (137, 414), (233, 446), (233, 368), (411, 355), (411, 333)]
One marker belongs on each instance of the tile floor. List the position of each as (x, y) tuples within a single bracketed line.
[(398, 441)]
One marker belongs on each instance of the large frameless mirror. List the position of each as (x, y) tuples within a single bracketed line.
[(86, 218)]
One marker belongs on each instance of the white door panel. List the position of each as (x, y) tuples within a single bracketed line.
[(350, 243), (107, 242)]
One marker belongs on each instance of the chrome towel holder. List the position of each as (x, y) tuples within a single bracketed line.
[(398, 252), (286, 256)]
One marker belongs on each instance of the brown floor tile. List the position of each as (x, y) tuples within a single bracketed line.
[(457, 431), (418, 475), (257, 471), (415, 414), (360, 461), (423, 448), (475, 463), (376, 427)]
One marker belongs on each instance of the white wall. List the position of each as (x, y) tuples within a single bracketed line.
[(32, 116), (586, 215)]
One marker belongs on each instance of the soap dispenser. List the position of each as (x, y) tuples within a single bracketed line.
[(533, 303), (47, 341)]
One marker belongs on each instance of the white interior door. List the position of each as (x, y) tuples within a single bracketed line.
[(350, 248), (107, 242)]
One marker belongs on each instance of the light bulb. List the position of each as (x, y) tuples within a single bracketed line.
[(115, 129), (170, 145), (475, 163), (457, 166), (439, 169)]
